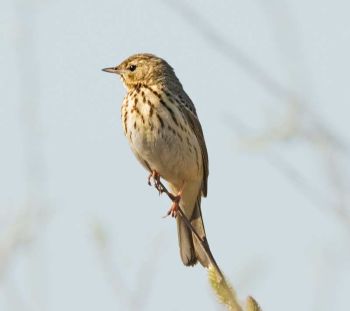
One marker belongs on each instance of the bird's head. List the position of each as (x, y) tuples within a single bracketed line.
[(143, 69)]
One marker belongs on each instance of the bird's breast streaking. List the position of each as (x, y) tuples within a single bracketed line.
[(160, 135)]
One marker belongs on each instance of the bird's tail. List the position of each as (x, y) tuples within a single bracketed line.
[(190, 249)]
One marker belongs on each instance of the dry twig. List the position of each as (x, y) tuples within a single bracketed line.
[(223, 290)]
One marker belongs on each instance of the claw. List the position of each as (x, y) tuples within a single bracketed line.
[(156, 180), (149, 179), (159, 186), (174, 207)]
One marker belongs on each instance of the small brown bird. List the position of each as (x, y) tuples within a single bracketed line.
[(163, 130)]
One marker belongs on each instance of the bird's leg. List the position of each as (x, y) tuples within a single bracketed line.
[(175, 205), (161, 188), (156, 179), (149, 179)]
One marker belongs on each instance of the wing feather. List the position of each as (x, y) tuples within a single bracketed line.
[(196, 127)]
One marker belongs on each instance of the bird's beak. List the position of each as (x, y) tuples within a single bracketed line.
[(112, 70)]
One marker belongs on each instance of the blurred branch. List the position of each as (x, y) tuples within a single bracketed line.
[(309, 127), (252, 305), (24, 229), (14, 237), (135, 299), (29, 94), (228, 49), (303, 123), (255, 71), (316, 197), (17, 234), (221, 287)]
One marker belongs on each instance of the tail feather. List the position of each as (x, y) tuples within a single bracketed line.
[(187, 252), (190, 249)]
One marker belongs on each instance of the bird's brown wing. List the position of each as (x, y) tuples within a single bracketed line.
[(196, 127)]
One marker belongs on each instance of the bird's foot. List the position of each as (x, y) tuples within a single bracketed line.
[(174, 206), (155, 176), (156, 180)]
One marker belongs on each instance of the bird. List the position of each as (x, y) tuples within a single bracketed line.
[(162, 127)]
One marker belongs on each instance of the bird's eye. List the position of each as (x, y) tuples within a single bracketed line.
[(132, 67)]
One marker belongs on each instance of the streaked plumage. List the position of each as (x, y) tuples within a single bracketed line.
[(163, 130)]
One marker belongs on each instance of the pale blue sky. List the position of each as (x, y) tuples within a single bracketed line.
[(270, 239)]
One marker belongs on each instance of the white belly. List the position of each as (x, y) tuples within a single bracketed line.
[(164, 152), (162, 145)]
